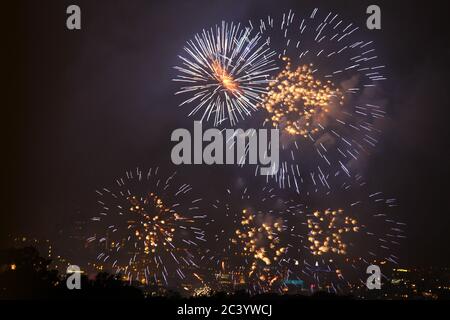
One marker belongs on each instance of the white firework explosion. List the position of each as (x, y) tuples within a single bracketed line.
[(225, 72)]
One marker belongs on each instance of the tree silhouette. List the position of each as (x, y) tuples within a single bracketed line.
[(26, 275)]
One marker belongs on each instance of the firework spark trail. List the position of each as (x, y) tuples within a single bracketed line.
[(147, 227), (225, 72), (324, 98)]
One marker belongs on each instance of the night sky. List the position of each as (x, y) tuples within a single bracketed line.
[(83, 106)]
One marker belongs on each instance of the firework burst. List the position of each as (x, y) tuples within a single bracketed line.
[(259, 244), (297, 102), (225, 71), (324, 100), (148, 228), (335, 243), (252, 250), (327, 230)]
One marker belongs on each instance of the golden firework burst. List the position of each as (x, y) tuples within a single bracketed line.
[(260, 243), (326, 231), (298, 102), (155, 227)]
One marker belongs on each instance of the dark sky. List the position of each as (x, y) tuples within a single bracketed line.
[(81, 107)]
